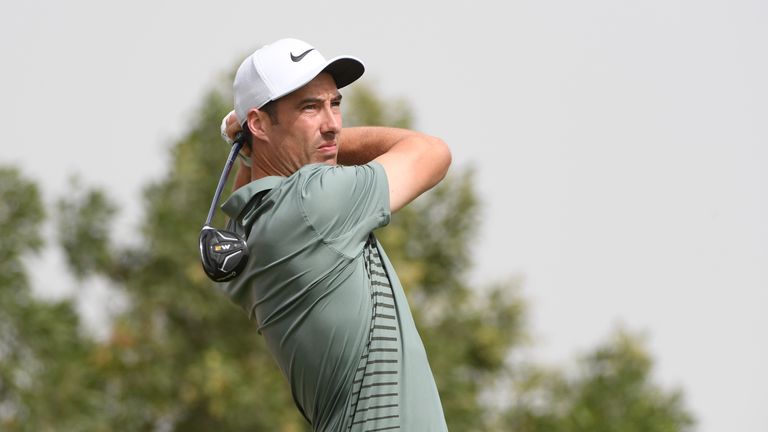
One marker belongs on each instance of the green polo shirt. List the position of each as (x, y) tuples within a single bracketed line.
[(328, 302)]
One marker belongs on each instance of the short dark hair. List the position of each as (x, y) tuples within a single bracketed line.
[(271, 109), (248, 136)]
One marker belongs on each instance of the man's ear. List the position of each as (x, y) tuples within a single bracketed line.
[(258, 123)]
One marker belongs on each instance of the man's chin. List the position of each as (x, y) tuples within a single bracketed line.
[(329, 159)]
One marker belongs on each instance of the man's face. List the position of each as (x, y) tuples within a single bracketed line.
[(309, 122)]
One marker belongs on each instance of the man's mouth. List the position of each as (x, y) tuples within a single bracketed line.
[(327, 146)]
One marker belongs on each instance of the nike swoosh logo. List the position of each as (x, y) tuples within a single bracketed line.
[(300, 56)]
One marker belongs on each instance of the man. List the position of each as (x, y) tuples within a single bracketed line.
[(322, 290)]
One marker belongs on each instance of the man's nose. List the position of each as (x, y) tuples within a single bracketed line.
[(331, 119)]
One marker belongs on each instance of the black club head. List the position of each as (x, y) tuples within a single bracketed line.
[(224, 253)]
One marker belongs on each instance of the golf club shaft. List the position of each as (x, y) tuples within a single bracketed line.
[(223, 179)]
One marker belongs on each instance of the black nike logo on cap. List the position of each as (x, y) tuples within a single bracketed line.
[(300, 56)]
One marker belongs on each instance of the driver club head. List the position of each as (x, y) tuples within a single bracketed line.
[(224, 253)]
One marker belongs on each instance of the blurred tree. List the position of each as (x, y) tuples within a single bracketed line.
[(612, 392), (43, 386), (84, 226)]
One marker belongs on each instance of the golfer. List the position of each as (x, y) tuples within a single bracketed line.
[(321, 288)]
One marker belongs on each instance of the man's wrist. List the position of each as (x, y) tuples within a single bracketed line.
[(245, 158)]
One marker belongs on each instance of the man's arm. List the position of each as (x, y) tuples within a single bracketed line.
[(414, 162)]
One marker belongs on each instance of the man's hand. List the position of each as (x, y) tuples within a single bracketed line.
[(230, 126)]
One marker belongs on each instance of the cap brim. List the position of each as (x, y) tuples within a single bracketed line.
[(345, 70)]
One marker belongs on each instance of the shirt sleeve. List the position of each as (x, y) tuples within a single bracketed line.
[(343, 204)]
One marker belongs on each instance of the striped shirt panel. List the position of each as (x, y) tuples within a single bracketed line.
[(375, 404)]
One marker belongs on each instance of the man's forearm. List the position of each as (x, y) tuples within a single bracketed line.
[(360, 145)]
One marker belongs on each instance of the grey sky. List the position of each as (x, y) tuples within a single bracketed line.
[(621, 147)]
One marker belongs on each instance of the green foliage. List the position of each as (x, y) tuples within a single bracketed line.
[(612, 392), (84, 229), (42, 385), (21, 213)]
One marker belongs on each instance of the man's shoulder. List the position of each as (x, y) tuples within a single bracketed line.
[(340, 186), (334, 198), (324, 173)]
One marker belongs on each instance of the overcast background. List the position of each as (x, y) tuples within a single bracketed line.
[(621, 147)]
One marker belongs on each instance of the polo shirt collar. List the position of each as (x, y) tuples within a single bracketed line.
[(236, 203)]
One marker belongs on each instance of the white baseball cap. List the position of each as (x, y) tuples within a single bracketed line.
[(281, 67)]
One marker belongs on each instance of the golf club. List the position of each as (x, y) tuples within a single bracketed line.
[(223, 253)]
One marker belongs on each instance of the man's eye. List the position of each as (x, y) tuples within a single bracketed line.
[(309, 107), (336, 103)]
